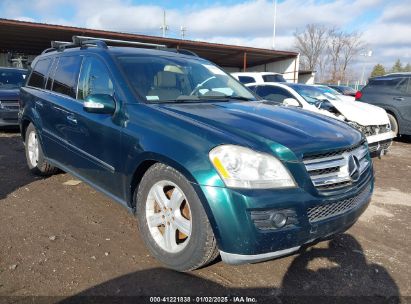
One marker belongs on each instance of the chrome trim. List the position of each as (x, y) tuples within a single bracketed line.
[(238, 259), (341, 160)]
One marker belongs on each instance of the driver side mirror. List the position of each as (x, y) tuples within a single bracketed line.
[(291, 102), (99, 104)]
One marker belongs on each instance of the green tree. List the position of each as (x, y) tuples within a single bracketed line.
[(407, 68), (397, 67), (378, 70)]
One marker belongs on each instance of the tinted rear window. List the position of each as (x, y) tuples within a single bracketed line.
[(273, 78), (246, 79), (65, 77), (388, 83), (39, 73)]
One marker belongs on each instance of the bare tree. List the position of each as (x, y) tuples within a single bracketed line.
[(311, 43), (352, 45), (334, 49)]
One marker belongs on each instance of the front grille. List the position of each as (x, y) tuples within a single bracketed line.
[(381, 145), (330, 170), (322, 212), (9, 105)]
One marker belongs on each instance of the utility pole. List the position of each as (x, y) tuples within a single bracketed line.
[(274, 23), (367, 54), (164, 27), (183, 31)]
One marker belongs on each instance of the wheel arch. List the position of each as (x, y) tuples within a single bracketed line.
[(149, 160), (24, 123), (146, 161)]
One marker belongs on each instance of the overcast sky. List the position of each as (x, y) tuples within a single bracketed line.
[(386, 25)]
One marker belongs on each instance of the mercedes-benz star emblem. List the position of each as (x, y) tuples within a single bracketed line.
[(354, 168)]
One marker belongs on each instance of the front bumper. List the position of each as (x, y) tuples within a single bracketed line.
[(380, 143), (241, 241), (8, 118)]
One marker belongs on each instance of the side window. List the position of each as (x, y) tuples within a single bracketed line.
[(66, 75), (39, 74), (402, 85), (94, 79), (273, 78), (53, 66), (246, 79), (252, 88), (273, 93)]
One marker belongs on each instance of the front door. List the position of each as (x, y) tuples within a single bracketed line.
[(96, 138)]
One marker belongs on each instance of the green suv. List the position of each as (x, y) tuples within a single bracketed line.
[(206, 168)]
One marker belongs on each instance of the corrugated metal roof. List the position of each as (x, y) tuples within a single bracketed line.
[(32, 38)]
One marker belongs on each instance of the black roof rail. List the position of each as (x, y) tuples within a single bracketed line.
[(87, 40), (182, 51)]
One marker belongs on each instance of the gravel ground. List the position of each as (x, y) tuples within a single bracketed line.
[(59, 237)]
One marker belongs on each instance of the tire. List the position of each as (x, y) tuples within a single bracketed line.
[(393, 123), (34, 154), (180, 208)]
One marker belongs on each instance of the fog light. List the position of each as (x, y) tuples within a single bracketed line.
[(278, 219)]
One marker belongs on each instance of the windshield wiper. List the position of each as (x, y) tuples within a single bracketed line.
[(225, 97), (182, 98)]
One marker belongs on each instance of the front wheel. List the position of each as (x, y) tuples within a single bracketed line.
[(34, 154), (172, 220)]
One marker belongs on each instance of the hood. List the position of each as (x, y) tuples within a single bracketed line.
[(12, 94), (359, 112), (261, 123)]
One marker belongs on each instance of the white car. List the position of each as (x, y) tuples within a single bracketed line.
[(372, 121), (258, 77)]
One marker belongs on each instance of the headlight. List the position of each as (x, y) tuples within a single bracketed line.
[(241, 167)]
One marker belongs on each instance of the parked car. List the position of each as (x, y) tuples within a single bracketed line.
[(206, 168), (372, 121), (345, 90), (11, 80), (327, 89), (258, 77), (393, 93)]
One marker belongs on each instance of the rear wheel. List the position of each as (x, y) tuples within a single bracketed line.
[(172, 220), (393, 123), (34, 154)]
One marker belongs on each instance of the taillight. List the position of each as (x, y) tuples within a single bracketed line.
[(358, 95)]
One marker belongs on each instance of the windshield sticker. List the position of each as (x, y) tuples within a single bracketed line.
[(152, 98), (213, 69)]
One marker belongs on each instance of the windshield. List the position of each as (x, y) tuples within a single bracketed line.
[(329, 90), (11, 79), (314, 94), (180, 79)]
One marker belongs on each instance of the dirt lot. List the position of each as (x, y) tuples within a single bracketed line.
[(62, 238)]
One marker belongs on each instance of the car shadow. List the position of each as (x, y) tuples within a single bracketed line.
[(404, 139), (337, 274), (14, 172)]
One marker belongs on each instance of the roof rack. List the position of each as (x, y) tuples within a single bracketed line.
[(182, 51), (85, 41)]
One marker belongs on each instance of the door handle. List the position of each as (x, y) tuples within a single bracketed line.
[(72, 119), (399, 98), (39, 103)]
